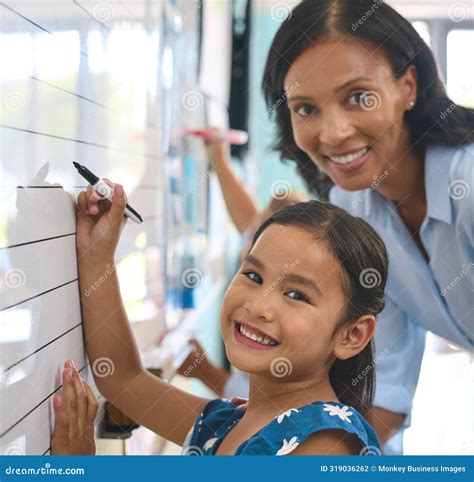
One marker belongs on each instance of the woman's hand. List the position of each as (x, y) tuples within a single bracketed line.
[(99, 223), (75, 412), (217, 149)]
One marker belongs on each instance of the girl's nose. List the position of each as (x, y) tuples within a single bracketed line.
[(260, 307), (335, 130)]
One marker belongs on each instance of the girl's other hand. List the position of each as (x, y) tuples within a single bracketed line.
[(99, 223), (75, 412)]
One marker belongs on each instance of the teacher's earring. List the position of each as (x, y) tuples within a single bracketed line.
[(411, 104)]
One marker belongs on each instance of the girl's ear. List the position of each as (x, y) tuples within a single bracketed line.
[(354, 337)]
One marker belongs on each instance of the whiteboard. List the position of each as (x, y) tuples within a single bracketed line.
[(88, 82)]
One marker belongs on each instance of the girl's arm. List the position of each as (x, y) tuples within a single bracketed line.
[(241, 206), (112, 350)]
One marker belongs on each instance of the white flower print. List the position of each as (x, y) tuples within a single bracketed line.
[(282, 416), (210, 443), (343, 413), (288, 447)]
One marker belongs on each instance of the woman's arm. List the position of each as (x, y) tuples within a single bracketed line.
[(111, 346), (241, 206)]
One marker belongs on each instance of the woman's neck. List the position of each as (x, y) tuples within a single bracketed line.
[(275, 395), (405, 183)]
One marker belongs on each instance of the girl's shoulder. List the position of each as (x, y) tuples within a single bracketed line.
[(285, 432)]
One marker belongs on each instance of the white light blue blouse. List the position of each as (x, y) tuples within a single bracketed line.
[(435, 296)]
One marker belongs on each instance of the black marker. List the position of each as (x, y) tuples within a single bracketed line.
[(100, 186)]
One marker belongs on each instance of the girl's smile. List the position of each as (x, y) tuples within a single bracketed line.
[(253, 338)]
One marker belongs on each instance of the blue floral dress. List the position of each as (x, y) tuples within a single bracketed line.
[(283, 434)]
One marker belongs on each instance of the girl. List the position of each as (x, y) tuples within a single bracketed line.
[(299, 317), (365, 111), (247, 217)]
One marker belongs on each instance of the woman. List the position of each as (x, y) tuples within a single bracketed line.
[(367, 113)]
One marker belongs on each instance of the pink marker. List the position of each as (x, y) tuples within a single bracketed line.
[(232, 136)]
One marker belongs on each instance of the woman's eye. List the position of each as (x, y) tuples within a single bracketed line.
[(363, 98), (253, 276), (296, 295), (304, 110)]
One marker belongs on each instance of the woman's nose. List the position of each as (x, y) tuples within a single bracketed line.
[(335, 130)]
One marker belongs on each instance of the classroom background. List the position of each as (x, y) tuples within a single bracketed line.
[(113, 85)]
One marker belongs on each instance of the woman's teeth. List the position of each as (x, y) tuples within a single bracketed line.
[(261, 339), (349, 158)]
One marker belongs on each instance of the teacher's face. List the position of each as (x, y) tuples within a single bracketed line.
[(356, 134)]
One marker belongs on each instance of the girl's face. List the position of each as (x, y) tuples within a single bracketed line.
[(288, 297), (331, 117)]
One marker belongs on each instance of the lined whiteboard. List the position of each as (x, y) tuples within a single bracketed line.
[(92, 82)]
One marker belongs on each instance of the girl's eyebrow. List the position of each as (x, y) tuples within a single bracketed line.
[(296, 278), (336, 90), (253, 260)]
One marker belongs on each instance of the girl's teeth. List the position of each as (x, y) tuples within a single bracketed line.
[(350, 157), (254, 337)]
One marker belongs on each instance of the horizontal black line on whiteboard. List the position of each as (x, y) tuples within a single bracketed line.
[(79, 141), (25, 18), (16, 12), (39, 294), (34, 408), (41, 347), (46, 451), (83, 97), (38, 241)]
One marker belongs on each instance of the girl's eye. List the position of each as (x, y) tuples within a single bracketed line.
[(305, 110), (253, 276), (363, 97), (296, 295)]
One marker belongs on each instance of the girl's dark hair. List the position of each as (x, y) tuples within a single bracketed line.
[(363, 258), (435, 119)]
